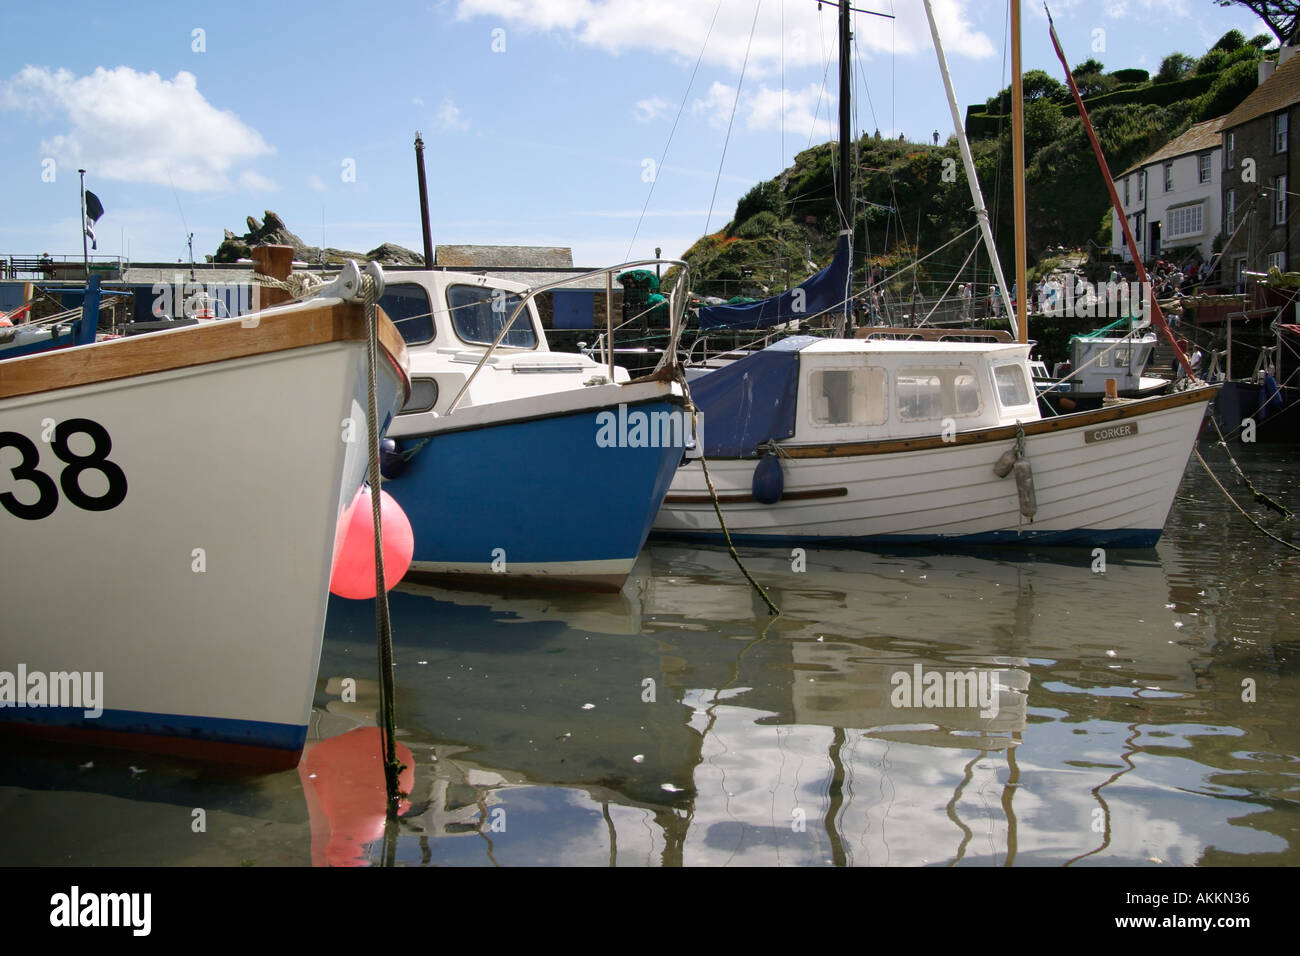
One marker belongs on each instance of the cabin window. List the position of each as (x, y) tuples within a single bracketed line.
[(856, 396), (1012, 388), (1120, 356), (424, 395), (479, 314), (407, 306), (931, 394)]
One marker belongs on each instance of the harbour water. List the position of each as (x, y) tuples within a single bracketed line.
[(1131, 708)]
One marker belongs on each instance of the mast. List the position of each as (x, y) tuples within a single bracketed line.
[(424, 201), (1018, 171), (85, 253), (846, 90), (968, 161)]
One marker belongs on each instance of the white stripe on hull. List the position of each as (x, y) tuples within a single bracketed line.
[(1122, 483)]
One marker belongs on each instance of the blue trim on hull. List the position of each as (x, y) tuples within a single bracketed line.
[(214, 730), (1075, 537), (541, 490)]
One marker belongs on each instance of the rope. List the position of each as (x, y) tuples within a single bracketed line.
[(383, 623), (1259, 527), (1257, 494), (713, 493)]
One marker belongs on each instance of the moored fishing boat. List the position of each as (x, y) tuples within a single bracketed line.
[(870, 442), (175, 499), (517, 465)]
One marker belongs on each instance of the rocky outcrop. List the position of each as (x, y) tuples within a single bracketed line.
[(272, 231)]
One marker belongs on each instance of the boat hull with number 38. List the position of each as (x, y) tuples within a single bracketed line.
[(169, 508)]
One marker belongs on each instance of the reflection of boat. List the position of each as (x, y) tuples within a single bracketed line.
[(559, 425), (130, 467)]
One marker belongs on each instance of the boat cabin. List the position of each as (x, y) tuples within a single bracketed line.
[(823, 391), (1098, 359), (449, 320)]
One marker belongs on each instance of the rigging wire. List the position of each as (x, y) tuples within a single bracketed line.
[(732, 119), (680, 109)]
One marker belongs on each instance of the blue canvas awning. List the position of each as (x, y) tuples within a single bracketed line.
[(750, 401), (819, 293)]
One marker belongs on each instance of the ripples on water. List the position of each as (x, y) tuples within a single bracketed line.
[(676, 724)]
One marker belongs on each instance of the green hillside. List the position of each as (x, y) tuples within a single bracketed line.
[(913, 196)]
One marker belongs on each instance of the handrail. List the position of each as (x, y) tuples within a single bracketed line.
[(676, 312)]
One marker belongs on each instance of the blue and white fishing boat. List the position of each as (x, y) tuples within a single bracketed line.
[(518, 465)]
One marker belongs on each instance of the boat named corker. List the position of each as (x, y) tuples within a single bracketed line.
[(170, 506), (855, 442)]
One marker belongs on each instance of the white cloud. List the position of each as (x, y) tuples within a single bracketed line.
[(417, 101), (651, 109), (677, 28), (256, 182), (138, 127), (316, 183), (764, 108), (449, 116)]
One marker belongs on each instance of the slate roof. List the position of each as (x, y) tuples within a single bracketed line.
[(1279, 91), (1198, 139)]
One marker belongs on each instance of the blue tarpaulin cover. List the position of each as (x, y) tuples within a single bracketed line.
[(750, 401), (823, 291)]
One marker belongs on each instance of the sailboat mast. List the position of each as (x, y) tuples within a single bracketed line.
[(846, 91), (968, 161), (1018, 171)]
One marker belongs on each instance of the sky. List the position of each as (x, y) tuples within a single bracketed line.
[(608, 126)]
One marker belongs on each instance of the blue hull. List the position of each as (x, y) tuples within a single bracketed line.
[(535, 499)]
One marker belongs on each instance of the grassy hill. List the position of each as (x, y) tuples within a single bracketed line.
[(912, 196)]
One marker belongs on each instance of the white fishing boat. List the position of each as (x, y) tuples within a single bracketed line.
[(833, 441), (595, 451), (169, 508)]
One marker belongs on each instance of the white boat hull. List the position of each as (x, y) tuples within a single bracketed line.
[(1116, 490), (200, 598)]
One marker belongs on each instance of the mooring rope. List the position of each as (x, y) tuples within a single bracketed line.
[(1259, 527), (713, 494), (383, 622), (1258, 495)]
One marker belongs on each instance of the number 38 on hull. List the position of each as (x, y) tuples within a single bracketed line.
[(169, 508)]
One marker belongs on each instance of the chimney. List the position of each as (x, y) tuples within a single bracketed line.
[(1266, 68), (1285, 53)]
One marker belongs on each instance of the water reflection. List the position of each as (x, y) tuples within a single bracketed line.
[(1144, 714)]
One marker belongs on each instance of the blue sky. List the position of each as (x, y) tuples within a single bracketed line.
[(544, 120)]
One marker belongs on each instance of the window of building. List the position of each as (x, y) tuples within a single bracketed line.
[(1230, 212), (1275, 259), (1203, 166), (850, 396), (1142, 182), (1230, 151), (1183, 221), (479, 314), (1126, 181), (1280, 124), (1169, 177), (1279, 200)]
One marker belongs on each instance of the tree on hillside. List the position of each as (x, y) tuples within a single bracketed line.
[(1087, 67), (1281, 16), (1174, 67)]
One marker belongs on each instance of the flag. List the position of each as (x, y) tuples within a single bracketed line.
[(92, 211)]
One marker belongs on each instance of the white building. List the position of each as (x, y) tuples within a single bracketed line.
[(1173, 198)]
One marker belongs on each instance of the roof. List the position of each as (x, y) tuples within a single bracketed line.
[(504, 257), (1199, 138), (1279, 91)]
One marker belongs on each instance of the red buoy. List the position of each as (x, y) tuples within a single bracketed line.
[(354, 566)]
